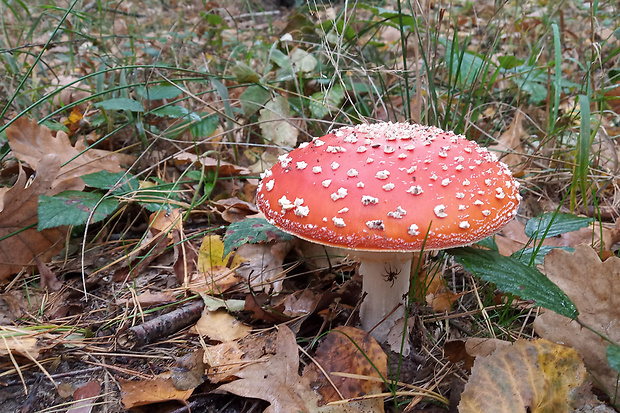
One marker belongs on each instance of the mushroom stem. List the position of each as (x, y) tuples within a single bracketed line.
[(385, 279)]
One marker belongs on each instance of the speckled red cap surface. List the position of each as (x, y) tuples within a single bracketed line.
[(383, 186)]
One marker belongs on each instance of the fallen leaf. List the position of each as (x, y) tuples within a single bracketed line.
[(84, 397), (220, 326), (18, 341), (211, 255), (143, 392), (594, 288), (276, 380), (148, 299), (509, 143), (536, 376), (262, 266), (276, 125), (30, 143), (223, 168), (348, 350), (18, 216), (188, 371)]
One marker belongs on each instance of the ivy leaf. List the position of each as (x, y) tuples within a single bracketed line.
[(252, 231)]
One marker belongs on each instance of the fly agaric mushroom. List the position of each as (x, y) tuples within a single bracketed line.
[(384, 191)]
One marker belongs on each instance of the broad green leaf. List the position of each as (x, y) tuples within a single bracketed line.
[(73, 208), (613, 356), (123, 182), (323, 102), (252, 231), (121, 104), (253, 99), (244, 73), (171, 111), (302, 60), (205, 127), (157, 92), (555, 223), (279, 58), (512, 276)]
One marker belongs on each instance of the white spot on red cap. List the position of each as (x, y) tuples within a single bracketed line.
[(339, 222), (360, 185), (413, 230), (459, 167), (335, 165), (466, 182), (335, 149), (352, 173), (398, 213), (375, 224), (462, 207), (343, 210), (500, 193), (409, 147), (433, 176), (301, 165), (460, 195), (412, 169), (303, 144), (302, 211), (478, 202), (341, 193), (440, 211), (326, 183), (318, 142), (388, 149), (317, 169), (488, 182), (415, 190), (269, 185), (464, 225), (382, 174), (370, 160), (361, 149), (486, 212), (388, 187), (402, 155), (369, 200), (284, 160), (349, 139), (446, 182)]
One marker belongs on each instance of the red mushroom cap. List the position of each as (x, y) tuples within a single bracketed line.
[(383, 186)]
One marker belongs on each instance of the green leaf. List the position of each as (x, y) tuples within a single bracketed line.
[(205, 127), (252, 231), (121, 104), (613, 356), (323, 102), (526, 255), (244, 73), (171, 111), (123, 182), (555, 223), (253, 99), (512, 276), (73, 208), (157, 92)]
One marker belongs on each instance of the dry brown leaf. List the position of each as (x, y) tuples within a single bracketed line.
[(188, 371), (535, 376), (223, 168), (340, 352), (18, 341), (148, 299), (509, 143), (433, 290), (84, 397), (156, 390), (468, 350), (276, 380), (30, 143), (262, 266), (18, 211), (593, 287), (220, 326)]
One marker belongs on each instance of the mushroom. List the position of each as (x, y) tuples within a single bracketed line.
[(382, 191)]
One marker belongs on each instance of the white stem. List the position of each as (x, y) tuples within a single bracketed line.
[(385, 279)]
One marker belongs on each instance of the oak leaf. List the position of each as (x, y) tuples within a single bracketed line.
[(276, 379), (593, 286)]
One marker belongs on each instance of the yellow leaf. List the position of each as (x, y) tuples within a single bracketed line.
[(536, 376), (211, 255)]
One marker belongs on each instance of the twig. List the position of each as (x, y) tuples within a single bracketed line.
[(161, 326)]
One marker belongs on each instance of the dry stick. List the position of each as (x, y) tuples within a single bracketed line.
[(161, 326)]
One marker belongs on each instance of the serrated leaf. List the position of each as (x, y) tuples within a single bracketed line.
[(123, 182), (556, 224), (252, 231), (244, 73), (121, 104), (253, 99), (157, 92), (73, 208), (613, 356), (512, 276)]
